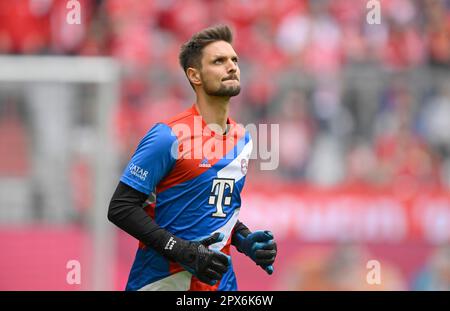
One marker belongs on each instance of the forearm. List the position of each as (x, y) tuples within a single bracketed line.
[(126, 212)]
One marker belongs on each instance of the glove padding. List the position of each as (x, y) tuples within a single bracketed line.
[(195, 256), (260, 247)]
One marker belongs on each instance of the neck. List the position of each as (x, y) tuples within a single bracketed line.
[(214, 110)]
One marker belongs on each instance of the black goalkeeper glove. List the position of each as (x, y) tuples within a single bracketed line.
[(195, 256)]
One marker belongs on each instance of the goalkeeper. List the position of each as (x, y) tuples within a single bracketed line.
[(195, 164)]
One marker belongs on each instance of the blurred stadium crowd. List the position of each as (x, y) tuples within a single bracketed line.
[(355, 101)]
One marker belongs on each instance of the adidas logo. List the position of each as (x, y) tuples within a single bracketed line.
[(204, 163)]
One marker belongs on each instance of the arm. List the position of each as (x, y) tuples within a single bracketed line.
[(259, 245), (152, 161), (126, 212)]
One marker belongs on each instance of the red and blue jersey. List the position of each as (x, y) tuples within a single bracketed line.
[(197, 176)]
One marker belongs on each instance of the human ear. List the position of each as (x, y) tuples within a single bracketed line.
[(193, 76)]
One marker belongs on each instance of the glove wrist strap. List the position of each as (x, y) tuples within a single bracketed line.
[(241, 231)]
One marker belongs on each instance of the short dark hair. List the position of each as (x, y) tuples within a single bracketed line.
[(191, 51)]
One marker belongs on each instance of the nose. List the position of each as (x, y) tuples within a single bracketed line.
[(232, 67)]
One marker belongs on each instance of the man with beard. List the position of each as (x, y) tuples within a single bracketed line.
[(193, 165)]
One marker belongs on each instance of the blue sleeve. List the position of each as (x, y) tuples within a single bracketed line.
[(154, 158)]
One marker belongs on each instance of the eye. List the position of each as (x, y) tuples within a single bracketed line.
[(236, 60), (218, 61)]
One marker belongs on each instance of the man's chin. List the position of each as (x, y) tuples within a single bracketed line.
[(227, 92), (234, 92)]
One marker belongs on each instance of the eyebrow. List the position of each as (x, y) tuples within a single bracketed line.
[(219, 56)]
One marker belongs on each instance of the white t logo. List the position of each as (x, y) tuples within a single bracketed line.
[(217, 197)]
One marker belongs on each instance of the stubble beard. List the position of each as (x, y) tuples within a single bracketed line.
[(223, 91)]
